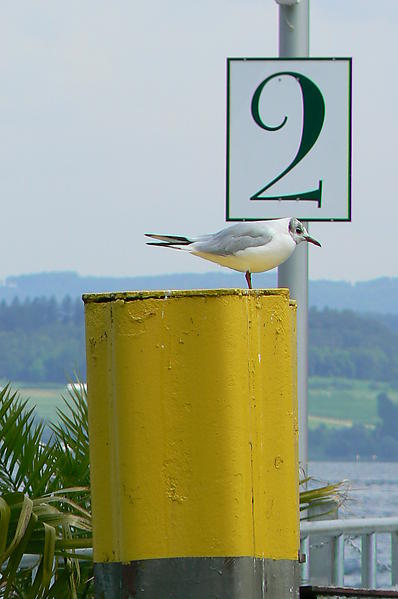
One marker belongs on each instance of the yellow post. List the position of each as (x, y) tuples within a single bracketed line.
[(193, 440)]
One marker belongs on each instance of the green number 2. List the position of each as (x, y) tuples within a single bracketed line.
[(313, 117)]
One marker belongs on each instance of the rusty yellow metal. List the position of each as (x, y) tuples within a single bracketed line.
[(193, 424)]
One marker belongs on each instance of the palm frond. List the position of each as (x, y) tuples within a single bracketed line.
[(39, 528), (327, 497), (40, 515), (26, 464), (71, 437)]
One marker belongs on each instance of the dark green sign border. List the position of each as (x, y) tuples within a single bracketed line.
[(346, 59)]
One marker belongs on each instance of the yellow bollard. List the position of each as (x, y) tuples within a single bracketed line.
[(193, 443)]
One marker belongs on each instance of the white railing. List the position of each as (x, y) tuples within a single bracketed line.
[(338, 530)]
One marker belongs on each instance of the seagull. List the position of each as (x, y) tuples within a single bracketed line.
[(246, 246)]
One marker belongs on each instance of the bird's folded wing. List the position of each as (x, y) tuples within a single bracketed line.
[(234, 239)]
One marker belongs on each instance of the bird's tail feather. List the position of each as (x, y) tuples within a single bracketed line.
[(165, 245), (168, 240)]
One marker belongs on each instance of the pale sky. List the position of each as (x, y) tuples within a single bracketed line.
[(112, 124)]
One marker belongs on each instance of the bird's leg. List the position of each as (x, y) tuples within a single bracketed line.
[(248, 277)]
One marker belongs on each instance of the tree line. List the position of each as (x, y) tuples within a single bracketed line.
[(42, 340), (352, 345)]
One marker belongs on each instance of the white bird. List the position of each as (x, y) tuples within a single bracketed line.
[(246, 246)]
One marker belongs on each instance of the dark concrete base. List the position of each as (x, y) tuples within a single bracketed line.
[(198, 578)]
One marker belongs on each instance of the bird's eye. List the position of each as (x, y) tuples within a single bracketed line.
[(299, 230)]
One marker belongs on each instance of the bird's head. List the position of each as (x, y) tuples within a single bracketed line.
[(299, 232)]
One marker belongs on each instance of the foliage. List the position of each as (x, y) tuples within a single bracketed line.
[(71, 439), (346, 344), (320, 500), (41, 340), (48, 527), (40, 513), (388, 414)]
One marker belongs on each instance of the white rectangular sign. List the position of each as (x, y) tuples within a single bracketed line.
[(289, 139)]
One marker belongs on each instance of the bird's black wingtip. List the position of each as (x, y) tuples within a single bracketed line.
[(160, 243)]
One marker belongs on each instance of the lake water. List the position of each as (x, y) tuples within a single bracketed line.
[(374, 493)]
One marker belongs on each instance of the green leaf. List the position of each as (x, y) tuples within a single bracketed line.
[(25, 526), (5, 514), (48, 554)]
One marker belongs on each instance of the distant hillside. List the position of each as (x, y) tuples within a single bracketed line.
[(43, 340), (59, 284), (378, 295), (346, 344)]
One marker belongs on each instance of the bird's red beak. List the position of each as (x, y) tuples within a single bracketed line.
[(312, 240)]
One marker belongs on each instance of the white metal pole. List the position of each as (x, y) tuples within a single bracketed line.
[(368, 560), (294, 42)]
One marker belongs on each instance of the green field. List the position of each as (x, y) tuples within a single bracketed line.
[(342, 402)]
